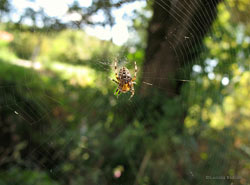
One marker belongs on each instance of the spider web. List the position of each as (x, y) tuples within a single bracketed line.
[(28, 112)]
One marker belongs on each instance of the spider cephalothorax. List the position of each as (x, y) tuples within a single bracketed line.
[(124, 80)]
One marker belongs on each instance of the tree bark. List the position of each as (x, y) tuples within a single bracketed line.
[(174, 34)]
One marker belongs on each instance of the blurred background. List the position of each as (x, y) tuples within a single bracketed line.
[(188, 122)]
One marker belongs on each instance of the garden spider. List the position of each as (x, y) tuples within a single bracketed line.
[(124, 80)]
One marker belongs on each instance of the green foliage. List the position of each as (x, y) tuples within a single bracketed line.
[(25, 177), (69, 46), (5, 52), (25, 44)]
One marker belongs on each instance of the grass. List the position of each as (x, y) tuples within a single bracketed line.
[(75, 74)]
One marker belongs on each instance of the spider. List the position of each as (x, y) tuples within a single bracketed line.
[(124, 80)]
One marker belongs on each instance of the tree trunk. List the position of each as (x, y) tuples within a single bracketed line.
[(174, 34)]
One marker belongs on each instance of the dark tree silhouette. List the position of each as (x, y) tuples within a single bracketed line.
[(175, 32)]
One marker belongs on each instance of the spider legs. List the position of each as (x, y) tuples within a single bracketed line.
[(119, 92), (132, 92), (135, 72), (115, 81), (116, 75)]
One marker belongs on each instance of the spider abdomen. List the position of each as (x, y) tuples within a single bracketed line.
[(124, 75)]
